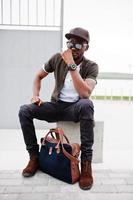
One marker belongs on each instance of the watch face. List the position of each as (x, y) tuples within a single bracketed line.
[(72, 67)]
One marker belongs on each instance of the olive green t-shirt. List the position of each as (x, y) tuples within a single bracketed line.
[(88, 69)]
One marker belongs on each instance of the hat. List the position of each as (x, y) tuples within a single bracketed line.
[(80, 33)]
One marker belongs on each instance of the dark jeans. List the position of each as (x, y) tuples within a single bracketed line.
[(81, 111)]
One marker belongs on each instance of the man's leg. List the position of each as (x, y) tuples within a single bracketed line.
[(83, 112), (86, 111), (46, 111)]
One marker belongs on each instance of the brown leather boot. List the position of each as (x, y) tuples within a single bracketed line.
[(32, 167), (86, 179)]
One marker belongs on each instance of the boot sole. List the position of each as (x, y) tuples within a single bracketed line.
[(86, 188), (28, 174)]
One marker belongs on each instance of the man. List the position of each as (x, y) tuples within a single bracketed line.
[(75, 79)]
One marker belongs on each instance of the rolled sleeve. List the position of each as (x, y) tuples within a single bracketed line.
[(43, 67), (49, 66), (93, 72)]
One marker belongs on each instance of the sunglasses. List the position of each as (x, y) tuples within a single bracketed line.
[(77, 46)]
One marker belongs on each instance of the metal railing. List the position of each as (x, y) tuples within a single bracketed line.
[(38, 13), (121, 90), (113, 94)]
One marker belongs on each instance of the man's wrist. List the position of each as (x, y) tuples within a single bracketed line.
[(36, 97), (72, 67)]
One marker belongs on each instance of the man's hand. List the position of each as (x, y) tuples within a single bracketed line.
[(36, 100), (67, 56)]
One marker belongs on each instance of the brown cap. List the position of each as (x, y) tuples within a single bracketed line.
[(80, 33)]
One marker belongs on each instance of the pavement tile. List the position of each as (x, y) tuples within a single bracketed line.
[(118, 174), (65, 196), (54, 181), (9, 196), (129, 180), (108, 185), (10, 182), (35, 181), (106, 196), (70, 188), (46, 189), (31, 196), (10, 174), (2, 189), (18, 189), (98, 180), (103, 189), (113, 181), (100, 175), (125, 188)]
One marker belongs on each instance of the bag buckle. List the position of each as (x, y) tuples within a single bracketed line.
[(50, 150)]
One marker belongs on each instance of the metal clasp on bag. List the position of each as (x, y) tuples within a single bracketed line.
[(43, 141), (57, 147), (50, 150)]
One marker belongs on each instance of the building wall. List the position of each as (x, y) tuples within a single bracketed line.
[(22, 53)]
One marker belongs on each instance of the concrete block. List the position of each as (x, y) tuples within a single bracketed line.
[(72, 130)]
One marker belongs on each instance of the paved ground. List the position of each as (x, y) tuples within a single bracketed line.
[(108, 185), (113, 179)]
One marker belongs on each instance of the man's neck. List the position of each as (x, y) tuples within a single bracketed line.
[(78, 61)]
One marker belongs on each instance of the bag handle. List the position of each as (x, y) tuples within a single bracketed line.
[(60, 135), (68, 155), (57, 131)]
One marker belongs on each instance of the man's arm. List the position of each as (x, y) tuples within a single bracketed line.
[(83, 87), (37, 86)]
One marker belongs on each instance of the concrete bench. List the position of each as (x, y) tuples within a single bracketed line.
[(72, 130)]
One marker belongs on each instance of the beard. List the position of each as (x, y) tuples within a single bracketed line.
[(75, 55)]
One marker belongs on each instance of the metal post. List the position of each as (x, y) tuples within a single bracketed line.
[(19, 12), (105, 94), (28, 11), (1, 11), (62, 22), (36, 12), (53, 12), (130, 95), (111, 93), (45, 13), (10, 12)]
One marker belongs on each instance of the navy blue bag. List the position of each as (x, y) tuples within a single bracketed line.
[(59, 159)]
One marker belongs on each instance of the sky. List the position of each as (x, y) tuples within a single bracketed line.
[(110, 24)]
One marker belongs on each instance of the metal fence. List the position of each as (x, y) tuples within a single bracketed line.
[(27, 51), (114, 86), (38, 13), (113, 94)]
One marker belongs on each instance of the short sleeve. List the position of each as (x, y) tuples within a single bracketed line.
[(92, 72), (49, 66), (43, 67)]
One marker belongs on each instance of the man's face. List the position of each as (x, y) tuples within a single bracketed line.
[(78, 47)]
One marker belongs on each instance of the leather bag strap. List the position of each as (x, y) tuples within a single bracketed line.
[(61, 135), (68, 155)]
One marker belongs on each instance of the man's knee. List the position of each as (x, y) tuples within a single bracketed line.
[(86, 104), (86, 108), (24, 111)]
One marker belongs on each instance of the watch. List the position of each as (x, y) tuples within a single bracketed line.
[(72, 67)]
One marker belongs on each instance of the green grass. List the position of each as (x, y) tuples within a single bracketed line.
[(115, 98)]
